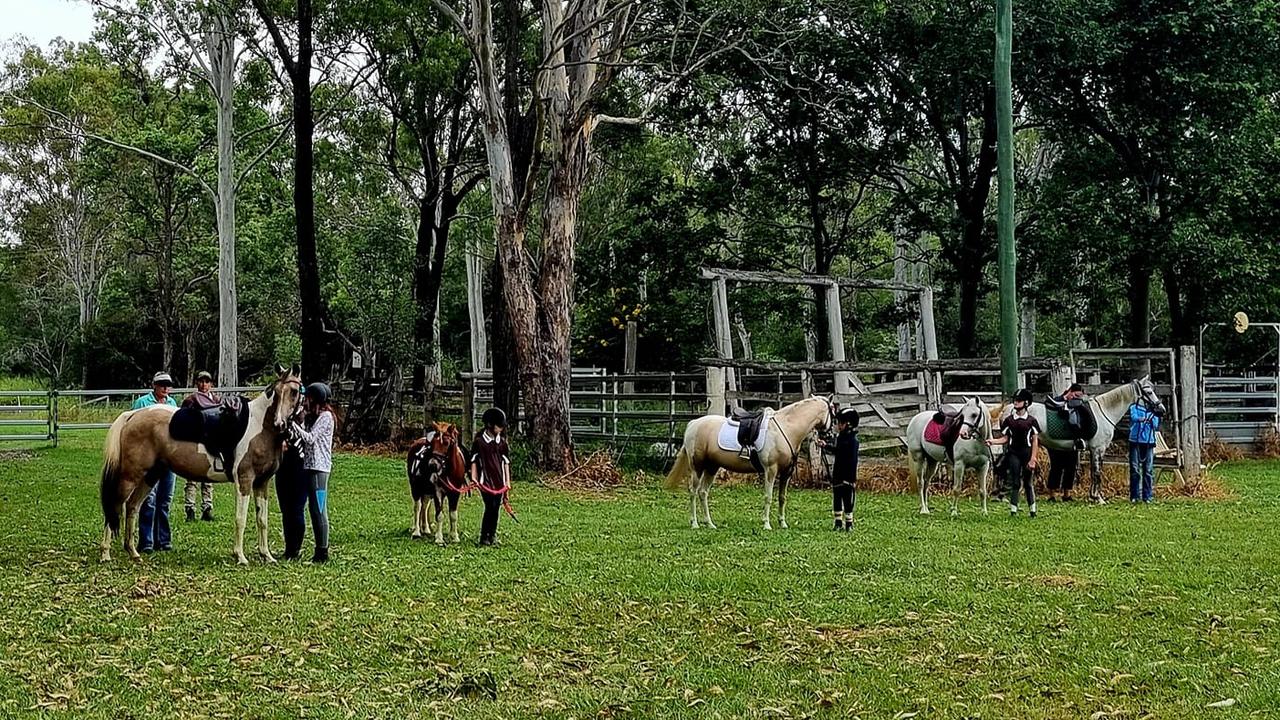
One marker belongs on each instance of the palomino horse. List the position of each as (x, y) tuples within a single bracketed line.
[(1108, 409), (970, 451), (139, 451), (437, 471), (701, 456)]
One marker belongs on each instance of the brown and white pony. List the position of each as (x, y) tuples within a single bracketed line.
[(701, 456), (139, 451), (437, 471)]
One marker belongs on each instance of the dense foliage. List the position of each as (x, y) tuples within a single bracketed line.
[(804, 137)]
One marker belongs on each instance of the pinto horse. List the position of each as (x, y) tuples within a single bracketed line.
[(437, 468), (139, 451)]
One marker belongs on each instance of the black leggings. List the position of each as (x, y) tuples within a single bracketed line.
[(492, 508), (842, 498), (293, 488), (1063, 467), (1019, 475)]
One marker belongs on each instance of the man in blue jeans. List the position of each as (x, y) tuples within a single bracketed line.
[(1144, 423), (153, 526)]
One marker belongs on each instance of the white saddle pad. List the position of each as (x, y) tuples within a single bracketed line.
[(728, 438)]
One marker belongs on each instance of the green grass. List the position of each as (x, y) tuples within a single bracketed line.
[(614, 607)]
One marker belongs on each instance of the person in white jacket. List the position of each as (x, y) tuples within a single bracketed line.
[(316, 439)]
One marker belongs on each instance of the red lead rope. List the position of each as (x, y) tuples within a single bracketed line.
[(468, 487)]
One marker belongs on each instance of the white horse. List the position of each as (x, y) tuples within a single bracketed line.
[(970, 451), (701, 456), (1108, 409)]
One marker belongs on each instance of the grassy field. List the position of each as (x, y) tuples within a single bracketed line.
[(613, 607)]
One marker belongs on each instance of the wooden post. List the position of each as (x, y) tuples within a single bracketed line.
[(715, 391), (629, 356), (671, 411), (900, 297), (1062, 378), (835, 335), (926, 324), (724, 340), (468, 407), (1189, 400)]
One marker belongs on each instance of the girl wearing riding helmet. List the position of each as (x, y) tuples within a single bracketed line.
[(316, 440), (1021, 433), (491, 470), (844, 474)]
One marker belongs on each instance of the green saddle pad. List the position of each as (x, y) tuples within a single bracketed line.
[(1056, 427)]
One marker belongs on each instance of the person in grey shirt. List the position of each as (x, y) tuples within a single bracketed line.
[(316, 439)]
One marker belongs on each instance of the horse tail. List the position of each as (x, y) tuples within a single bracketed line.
[(680, 472), (110, 491)]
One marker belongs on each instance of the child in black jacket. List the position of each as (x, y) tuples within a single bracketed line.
[(844, 472)]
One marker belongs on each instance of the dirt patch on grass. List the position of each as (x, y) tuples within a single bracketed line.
[(16, 455)]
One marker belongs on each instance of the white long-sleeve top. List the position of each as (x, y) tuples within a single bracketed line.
[(317, 443)]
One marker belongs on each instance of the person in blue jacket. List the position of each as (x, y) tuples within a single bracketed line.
[(1144, 423), (153, 518)]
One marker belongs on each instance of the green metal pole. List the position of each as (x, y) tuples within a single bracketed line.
[(1004, 218)]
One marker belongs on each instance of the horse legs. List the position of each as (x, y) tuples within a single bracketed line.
[(453, 516), (132, 507), (782, 504), (957, 480), (982, 484), (416, 526), (704, 490), (925, 470), (695, 487), (1095, 486), (769, 475), (438, 505), (242, 518), (262, 506)]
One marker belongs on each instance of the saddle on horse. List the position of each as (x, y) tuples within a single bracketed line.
[(750, 425), (944, 429), (1069, 420), (219, 429)]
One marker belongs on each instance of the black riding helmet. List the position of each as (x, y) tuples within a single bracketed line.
[(1023, 395), (318, 392), (848, 415), (495, 417)]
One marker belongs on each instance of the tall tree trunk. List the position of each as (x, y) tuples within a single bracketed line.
[(222, 56), (1139, 296), (476, 312), (434, 223), (550, 391), (506, 383), (315, 357)]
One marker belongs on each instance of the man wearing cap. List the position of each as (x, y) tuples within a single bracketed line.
[(153, 525), (204, 398)]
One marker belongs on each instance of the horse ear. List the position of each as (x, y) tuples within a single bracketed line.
[(295, 370), (280, 370)]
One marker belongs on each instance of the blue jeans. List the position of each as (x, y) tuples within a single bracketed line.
[(1142, 459), (153, 525)]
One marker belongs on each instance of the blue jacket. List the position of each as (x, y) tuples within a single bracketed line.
[(1143, 425)]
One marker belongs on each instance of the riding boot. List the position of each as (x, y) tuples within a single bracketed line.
[(191, 514), (839, 518), (321, 555)]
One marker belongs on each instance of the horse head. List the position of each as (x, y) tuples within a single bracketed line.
[(285, 395), (972, 415), (442, 440), (1144, 391)]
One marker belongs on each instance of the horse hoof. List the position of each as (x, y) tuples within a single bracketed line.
[(453, 538), (767, 526), (416, 536), (783, 525), (242, 560), (267, 558), (924, 511), (954, 512)]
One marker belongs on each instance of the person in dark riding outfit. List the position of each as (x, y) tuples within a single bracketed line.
[(1020, 432), (491, 470), (844, 473), (1064, 465)]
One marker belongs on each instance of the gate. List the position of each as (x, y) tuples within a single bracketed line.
[(27, 415), (1241, 400)]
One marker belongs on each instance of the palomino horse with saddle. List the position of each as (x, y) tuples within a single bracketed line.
[(714, 441), (142, 445)]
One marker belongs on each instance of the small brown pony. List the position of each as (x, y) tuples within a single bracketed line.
[(437, 468), (139, 451)]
